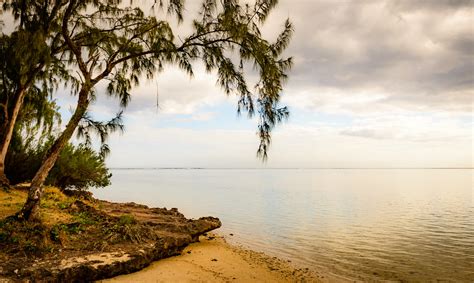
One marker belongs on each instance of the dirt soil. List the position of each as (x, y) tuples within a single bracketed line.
[(80, 238)]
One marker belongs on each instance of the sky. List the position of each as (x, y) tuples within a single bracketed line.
[(375, 84)]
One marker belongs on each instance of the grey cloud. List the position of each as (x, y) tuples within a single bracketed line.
[(364, 133), (415, 52), (463, 44), (381, 135), (438, 5), (407, 51)]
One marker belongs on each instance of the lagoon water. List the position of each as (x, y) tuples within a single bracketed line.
[(363, 224)]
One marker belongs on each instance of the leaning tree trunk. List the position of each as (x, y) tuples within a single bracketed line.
[(7, 132), (30, 208)]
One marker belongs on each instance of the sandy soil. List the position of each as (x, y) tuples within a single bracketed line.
[(213, 260)]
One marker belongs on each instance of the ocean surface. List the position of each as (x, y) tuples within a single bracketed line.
[(363, 224)]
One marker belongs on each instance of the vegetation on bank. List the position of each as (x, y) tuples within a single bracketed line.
[(80, 238), (67, 222), (78, 167)]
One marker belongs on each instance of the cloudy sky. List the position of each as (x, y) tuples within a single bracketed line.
[(375, 84)]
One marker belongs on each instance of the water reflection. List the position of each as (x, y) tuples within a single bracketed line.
[(364, 224)]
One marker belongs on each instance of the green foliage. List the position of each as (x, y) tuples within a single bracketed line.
[(26, 49), (68, 229), (82, 221), (102, 129), (30, 62), (21, 161), (55, 231), (120, 44), (84, 218), (126, 219), (79, 167), (35, 124)]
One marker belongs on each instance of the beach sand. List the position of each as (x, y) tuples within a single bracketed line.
[(214, 260)]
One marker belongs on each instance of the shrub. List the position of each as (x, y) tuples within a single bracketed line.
[(78, 166)]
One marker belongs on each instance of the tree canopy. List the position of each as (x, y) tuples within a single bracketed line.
[(92, 41), (123, 45)]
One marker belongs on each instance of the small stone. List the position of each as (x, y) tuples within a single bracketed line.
[(188, 252), (231, 234), (214, 259)]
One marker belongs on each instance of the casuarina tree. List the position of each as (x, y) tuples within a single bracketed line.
[(27, 62), (121, 45)]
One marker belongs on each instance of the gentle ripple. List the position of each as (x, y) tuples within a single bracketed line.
[(371, 225)]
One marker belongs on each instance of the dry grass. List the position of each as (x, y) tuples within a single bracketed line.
[(52, 210), (54, 207), (11, 202), (65, 222), (31, 237)]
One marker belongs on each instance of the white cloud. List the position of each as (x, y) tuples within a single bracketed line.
[(410, 127), (293, 146)]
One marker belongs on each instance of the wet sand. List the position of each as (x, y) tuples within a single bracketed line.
[(214, 260)]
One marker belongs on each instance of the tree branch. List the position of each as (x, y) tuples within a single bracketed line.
[(76, 50)]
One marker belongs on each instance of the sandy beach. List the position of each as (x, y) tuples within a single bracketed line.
[(214, 260)]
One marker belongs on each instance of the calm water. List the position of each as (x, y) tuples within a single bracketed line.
[(403, 224)]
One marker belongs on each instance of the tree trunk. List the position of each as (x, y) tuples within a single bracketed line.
[(30, 209), (4, 182), (7, 132)]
